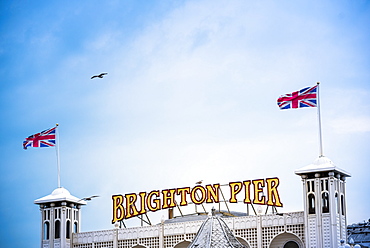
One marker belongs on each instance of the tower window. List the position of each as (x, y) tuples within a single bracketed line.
[(57, 229), (325, 202), (68, 229), (313, 186), (311, 204), (75, 228), (342, 203), (46, 230), (308, 186)]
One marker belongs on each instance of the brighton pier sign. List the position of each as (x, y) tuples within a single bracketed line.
[(259, 191)]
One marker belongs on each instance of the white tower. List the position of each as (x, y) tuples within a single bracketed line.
[(60, 216), (324, 203)]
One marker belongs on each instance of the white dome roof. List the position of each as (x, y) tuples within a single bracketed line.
[(58, 195), (323, 161), (321, 164), (60, 191)]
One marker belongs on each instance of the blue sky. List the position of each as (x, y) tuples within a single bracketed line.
[(190, 94)]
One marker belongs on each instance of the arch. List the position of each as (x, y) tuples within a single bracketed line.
[(291, 244), (311, 204), (325, 202), (243, 242), (308, 186), (68, 229), (138, 246), (75, 227), (46, 230), (57, 229), (182, 244), (283, 239)]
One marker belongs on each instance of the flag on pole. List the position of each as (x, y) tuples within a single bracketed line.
[(44, 139), (306, 97)]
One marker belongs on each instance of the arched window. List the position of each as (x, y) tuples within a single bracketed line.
[(313, 186), (75, 227), (311, 204), (57, 229), (183, 244), (46, 230), (325, 202), (68, 229), (291, 244)]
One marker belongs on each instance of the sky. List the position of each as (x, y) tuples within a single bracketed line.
[(190, 95)]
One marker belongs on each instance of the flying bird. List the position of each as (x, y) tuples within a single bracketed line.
[(100, 75), (199, 182), (89, 198)]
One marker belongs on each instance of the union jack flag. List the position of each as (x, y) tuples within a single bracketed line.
[(44, 139), (306, 97)]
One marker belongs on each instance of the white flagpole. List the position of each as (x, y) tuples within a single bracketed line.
[(319, 119), (57, 151)]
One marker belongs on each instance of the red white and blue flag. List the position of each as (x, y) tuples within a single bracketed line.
[(44, 139), (303, 98)]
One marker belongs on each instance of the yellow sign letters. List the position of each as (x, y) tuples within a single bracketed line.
[(131, 205)]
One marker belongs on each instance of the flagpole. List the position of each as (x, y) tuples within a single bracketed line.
[(57, 151), (319, 119)]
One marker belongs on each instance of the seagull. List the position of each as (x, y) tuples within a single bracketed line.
[(89, 198), (199, 182), (100, 75)]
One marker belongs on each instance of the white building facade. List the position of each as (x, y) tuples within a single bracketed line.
[(322, 224), (252, 231)]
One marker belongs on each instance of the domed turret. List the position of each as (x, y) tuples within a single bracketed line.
[(60, 216), (324, 203)]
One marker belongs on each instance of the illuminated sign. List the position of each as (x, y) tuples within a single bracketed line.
[(252, 192)]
